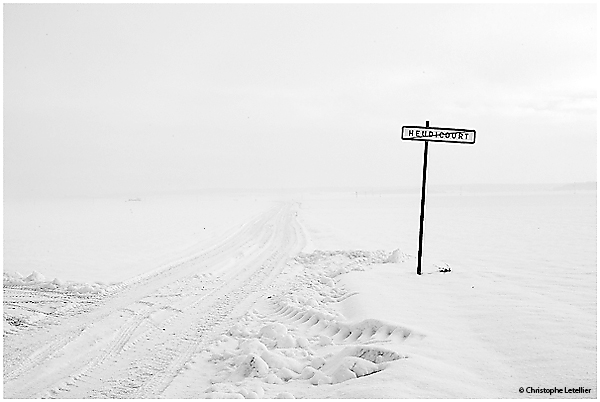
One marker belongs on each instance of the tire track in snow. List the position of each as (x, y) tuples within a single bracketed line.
[(134, 319), (237, 295), (35, 354), (297, 337), (126, 294)]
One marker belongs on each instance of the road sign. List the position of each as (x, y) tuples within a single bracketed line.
[(457, 135), (427, 134)]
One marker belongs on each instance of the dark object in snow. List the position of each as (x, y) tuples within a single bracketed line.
[(444, 268), (15, 321)]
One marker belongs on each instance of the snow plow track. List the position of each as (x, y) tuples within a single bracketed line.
[(136, 340)]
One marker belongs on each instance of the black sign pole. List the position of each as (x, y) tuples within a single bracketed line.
[(422, 204)]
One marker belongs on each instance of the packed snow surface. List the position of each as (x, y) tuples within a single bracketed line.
[(313, 296)]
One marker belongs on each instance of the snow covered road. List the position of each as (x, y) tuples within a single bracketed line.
[(134, 342)]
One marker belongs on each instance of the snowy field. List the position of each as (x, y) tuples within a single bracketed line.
[(301, 296), (113, 239)]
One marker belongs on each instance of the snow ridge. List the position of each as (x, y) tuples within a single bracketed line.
[(297, 335)]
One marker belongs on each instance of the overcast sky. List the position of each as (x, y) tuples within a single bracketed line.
[(119, 98)]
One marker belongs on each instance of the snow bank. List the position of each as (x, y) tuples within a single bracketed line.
[(299, 336), (37, 281)]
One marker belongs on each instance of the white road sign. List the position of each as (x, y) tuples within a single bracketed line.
[(419, 133)]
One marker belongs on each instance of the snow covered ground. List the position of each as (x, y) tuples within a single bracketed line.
[(113, 239), (307, 296)]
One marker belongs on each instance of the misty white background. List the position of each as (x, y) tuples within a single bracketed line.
[(119, 99)]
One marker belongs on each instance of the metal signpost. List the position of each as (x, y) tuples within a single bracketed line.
[(418, 133)]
